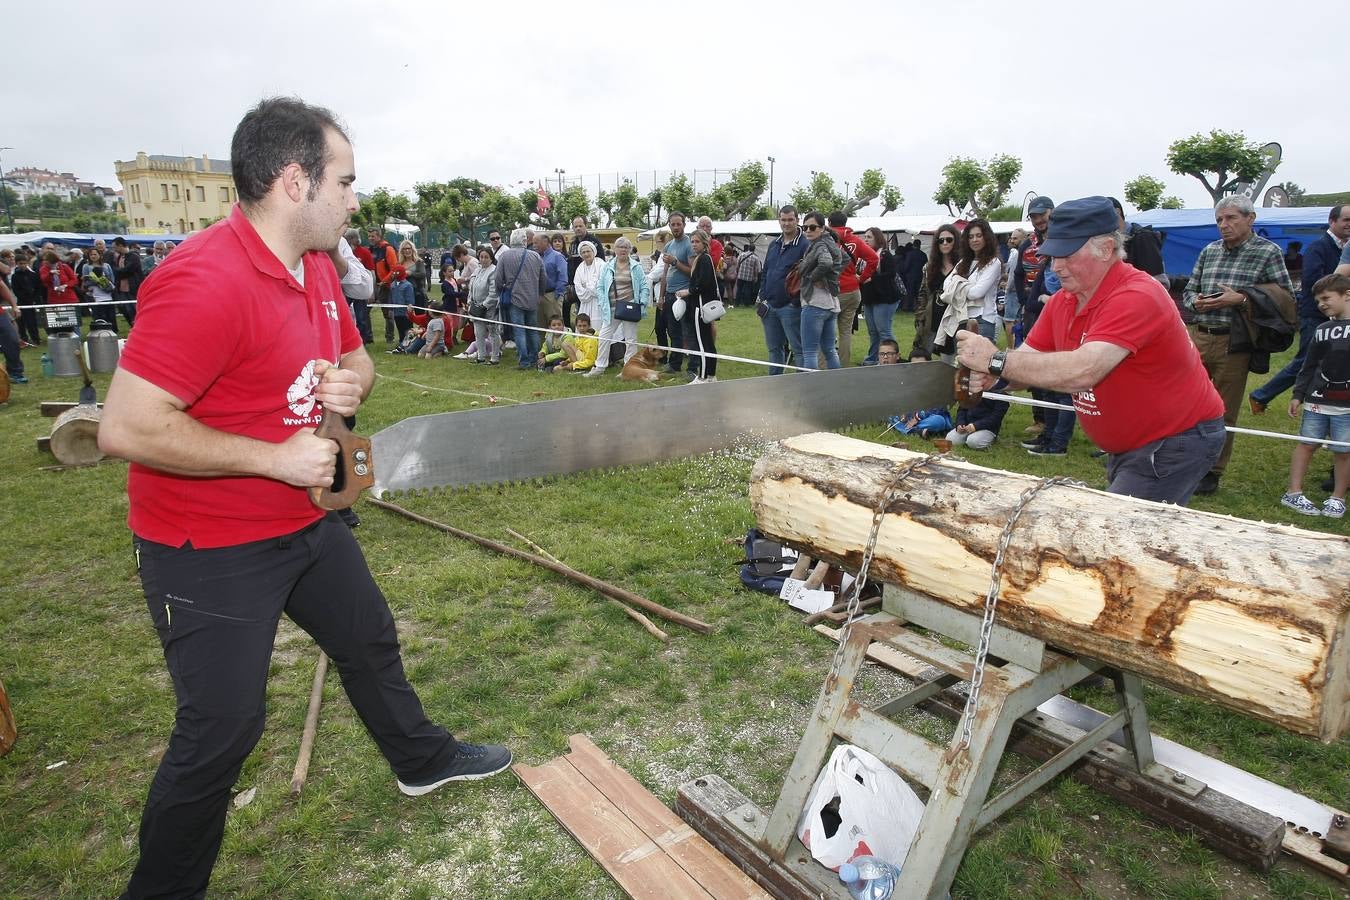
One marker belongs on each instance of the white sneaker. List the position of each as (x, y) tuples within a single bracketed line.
[(1333, 508), (1301, 504), (710, 379), (594, 373), (509, 345), (697, 380), (462, 356)]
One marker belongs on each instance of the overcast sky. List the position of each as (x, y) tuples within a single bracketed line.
[(1087, 94)]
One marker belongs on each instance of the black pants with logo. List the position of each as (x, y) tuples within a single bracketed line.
[(216, 612)]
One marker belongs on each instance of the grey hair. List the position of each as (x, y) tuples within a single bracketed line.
[(1109, 246), (1241, 202), (518, 236), (623, 242), (351, 234)]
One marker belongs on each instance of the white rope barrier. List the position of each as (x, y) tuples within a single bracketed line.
[(1280, 435)]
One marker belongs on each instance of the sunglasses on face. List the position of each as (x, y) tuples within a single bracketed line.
[(810, 228), (946, 240)]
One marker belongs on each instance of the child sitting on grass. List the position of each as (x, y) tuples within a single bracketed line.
[(1323, 393), (978, 426), (551, 351), (434, 337), (581, 347)]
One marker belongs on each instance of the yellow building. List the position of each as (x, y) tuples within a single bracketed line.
[(175, 194)]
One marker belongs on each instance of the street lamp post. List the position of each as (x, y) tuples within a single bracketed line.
[(560, 173), (8, 215), (771, 162)]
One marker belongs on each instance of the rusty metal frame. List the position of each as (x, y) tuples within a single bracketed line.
[(958, 781)]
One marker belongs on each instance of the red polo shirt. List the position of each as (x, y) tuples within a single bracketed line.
[(227, 330), (1159, 389)]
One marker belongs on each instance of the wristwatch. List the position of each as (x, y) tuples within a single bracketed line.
[(997, 362)]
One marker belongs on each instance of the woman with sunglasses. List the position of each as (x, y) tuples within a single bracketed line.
[(820, 269), (942, 262), (880, 296)]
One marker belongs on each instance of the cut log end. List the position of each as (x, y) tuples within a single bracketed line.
[(74, 439)]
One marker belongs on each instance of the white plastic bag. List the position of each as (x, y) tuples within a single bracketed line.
[(878, 811)]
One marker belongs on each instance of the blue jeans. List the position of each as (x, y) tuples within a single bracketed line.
[(1058, 422), (1167, 470), (1284, 379), (527, 340), (880, 318), (818, 336), (783, 325)]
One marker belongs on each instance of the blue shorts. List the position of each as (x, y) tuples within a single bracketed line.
[(1322, 426)]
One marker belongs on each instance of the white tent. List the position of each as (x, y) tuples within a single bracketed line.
[(915, 225)]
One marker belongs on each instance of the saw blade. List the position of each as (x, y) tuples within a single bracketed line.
[(627, 428)]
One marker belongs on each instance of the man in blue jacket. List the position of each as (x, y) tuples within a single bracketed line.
[(783, 320), (1319, 259)]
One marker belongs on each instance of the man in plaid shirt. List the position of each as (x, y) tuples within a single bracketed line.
[(1238, 259)]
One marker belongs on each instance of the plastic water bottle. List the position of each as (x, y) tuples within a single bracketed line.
[(47, 368), (869, 878)]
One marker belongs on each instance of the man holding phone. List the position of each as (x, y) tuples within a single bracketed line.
[(1239, 259)]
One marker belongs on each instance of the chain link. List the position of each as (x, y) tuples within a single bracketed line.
[(991, 605), (888, 495)]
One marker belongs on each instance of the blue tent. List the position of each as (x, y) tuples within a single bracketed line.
[(71, 239), (1187, 231)]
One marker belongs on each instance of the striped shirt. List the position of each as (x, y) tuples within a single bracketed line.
[(1254, 261)]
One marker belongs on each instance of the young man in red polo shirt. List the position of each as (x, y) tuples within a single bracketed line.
[(1112, 338), (220, 435)]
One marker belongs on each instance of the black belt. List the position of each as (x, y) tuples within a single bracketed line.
[(1206, 329)]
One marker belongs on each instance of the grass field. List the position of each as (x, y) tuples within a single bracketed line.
[(501, 651)]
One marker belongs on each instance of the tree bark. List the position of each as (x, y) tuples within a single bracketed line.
[(1245, 614)]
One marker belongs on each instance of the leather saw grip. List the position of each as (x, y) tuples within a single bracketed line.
[(355, 465)]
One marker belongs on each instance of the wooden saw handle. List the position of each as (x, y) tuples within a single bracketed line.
[(355, 465), (964, 397)]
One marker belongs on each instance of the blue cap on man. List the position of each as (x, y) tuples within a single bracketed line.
[(1040, 205), (1074, 222)]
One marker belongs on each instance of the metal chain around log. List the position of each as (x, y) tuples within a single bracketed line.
[(887, 498), (991, 605)]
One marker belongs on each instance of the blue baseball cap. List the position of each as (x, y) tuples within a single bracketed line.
[(1074, 222), (1040, 205)]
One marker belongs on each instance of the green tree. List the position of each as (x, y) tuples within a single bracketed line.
[(1144, 192), (818, 195), (1294, 190), (1226, 156), (740, 192), (1172, 203), (821, 194), (376, 210), (1010, 213), (620, 206), (82, 223), (678, 194), (969, 187), (891, 199)]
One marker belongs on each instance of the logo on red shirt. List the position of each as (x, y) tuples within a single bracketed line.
[(300, 395)]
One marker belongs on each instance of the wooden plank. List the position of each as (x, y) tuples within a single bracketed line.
[(713, 871), (1311, 852), (1230, 826), (632, 859), (44, 444), (710, 805), (1250, 615)]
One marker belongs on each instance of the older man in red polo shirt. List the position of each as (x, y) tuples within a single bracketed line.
[(220, 435), (1112, 338)]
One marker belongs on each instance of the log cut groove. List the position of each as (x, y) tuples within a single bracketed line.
[(1247, 614)]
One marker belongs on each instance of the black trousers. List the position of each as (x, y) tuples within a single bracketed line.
[(698, 335), (216, 612), (670, 333)]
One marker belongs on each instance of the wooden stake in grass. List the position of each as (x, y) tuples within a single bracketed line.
[(628, 611), (8, 732), (594, 584), (311, 726)]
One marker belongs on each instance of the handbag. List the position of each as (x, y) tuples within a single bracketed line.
[(677, 309), (628, 311), (793, 283), (506, 289), (712, 311)]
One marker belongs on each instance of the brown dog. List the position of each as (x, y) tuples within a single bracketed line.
[(643, 366)]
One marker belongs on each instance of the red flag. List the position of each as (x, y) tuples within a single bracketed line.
[(543, 203)]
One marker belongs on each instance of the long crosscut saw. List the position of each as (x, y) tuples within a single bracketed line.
[(632, 428)]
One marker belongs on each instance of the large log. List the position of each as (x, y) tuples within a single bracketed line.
[(74, 438), (1246, 614)]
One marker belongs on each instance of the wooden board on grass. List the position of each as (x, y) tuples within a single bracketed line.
[(643, 846)]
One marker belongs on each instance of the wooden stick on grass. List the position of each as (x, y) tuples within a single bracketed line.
[(311, 726), (594, 584), (629, 611)]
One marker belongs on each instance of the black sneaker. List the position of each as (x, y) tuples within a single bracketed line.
[(1033, 444), (1047, 451), (1208, 485), (471, 762)]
